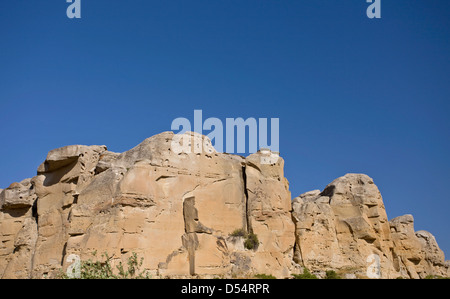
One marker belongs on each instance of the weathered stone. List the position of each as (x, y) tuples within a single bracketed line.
[(345, 228), (408, 252), (64, 156), (65, 173), (18, 196), (341, 227), (434, 256), (20, 261), (177, 209), (417, 254), (105, 161), (268, 215), (18, 230), (169, 207)]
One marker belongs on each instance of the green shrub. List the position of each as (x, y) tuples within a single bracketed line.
[(331, 274), (103, 270), (240, 232), (265, 276), (306, 275), (133, 270), (97, 269), (251, 241)]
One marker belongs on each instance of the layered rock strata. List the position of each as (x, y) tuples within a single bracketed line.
[(178, 211)]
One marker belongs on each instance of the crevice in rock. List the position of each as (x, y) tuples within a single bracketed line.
[(16, 212), (248, 222), (328, 191), (35, 241), (297, 250), (189, 239), (64, 252)]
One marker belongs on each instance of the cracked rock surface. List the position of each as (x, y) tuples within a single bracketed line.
[(177, 210)]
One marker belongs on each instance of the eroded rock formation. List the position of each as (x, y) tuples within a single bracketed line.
[(178, 210), (345, 228)]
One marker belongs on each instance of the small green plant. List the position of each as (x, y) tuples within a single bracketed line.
[(251, 241), (265, 276), (306, 275), (331, 274), (133, 271), (240, 232), (97, 269), (103, 270)]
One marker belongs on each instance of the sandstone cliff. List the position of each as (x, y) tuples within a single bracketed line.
[(179, 211), (345, 228)]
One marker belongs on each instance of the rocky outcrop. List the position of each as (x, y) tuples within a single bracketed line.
[(18, 230), (345, 228), (178, 211), (342, 227), (417, 253), (65, 173)]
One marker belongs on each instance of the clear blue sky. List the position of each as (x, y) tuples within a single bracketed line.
[(352, 94)]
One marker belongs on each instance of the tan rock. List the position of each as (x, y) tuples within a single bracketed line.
[(343, 227), (408, 252), (417, 254), (178, 208), (434, 256), (317, 246), (18, 230), (268, 215), (18, 196), (60, 157), (20, 261), (63, 175)]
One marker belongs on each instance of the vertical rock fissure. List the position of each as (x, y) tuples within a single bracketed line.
[(297, 256), (189, 239), (35, 218), (248, 222)]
